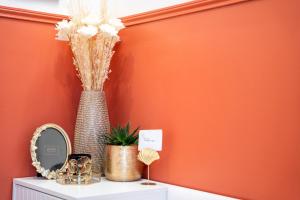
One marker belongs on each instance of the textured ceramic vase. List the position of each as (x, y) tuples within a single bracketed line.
[(91, 125), (121, 163)]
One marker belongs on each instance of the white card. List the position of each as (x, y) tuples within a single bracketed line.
[(150, 139)]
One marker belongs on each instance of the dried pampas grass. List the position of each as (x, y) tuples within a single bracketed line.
[(92, 36)]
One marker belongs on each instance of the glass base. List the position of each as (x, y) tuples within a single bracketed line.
[(148, 183)]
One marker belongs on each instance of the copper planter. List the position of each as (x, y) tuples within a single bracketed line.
[(121, 163)]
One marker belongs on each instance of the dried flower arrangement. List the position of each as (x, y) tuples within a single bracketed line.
[(92, 37)]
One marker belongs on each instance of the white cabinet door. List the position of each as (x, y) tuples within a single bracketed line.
[(23, 193)]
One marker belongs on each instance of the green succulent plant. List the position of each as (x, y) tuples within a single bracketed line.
[(121, 136)]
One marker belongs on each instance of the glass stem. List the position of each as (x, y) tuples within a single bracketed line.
[(148, 172)]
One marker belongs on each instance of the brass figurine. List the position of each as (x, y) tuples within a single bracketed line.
[(148, 156)]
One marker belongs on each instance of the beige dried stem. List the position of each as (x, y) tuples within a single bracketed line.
[(92, 37), (103, 10)]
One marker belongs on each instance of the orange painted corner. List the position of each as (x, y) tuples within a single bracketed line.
[(223, 85)]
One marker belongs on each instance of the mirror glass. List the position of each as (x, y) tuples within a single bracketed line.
[(52, 149)]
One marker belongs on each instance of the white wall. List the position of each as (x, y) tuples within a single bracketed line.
[(50, 6), (130, 7), (119, 8)]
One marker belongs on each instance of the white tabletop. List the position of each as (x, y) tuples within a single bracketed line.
[(101, 189)]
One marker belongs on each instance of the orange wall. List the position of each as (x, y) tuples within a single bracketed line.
[(37, 85), (224, 86)]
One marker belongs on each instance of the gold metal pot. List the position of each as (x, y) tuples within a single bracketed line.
[(121, 163)]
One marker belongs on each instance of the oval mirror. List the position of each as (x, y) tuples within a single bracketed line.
[(50, 148)]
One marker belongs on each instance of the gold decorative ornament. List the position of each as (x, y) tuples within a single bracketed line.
[(78, 171), (49, 140), (148, 156)]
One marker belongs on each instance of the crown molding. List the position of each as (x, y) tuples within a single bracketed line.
[(30, 15), (178, 10), (159, 14)]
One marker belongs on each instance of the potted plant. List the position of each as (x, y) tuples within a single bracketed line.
[(121, 163)]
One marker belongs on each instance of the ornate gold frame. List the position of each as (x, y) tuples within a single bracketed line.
[(45, 172)]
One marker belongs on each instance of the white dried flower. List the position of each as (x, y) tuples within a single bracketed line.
[(88, 31), (63, 29), (63, 25), (117, 23), (109, 29), (62, 36), (91, 20)]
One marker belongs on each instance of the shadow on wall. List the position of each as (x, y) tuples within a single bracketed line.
[(118, 87)]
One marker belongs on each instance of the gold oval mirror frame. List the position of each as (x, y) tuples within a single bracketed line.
[(50, 148)]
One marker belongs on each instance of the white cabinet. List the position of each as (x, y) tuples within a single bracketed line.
[(41, 189), (24, 193)]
